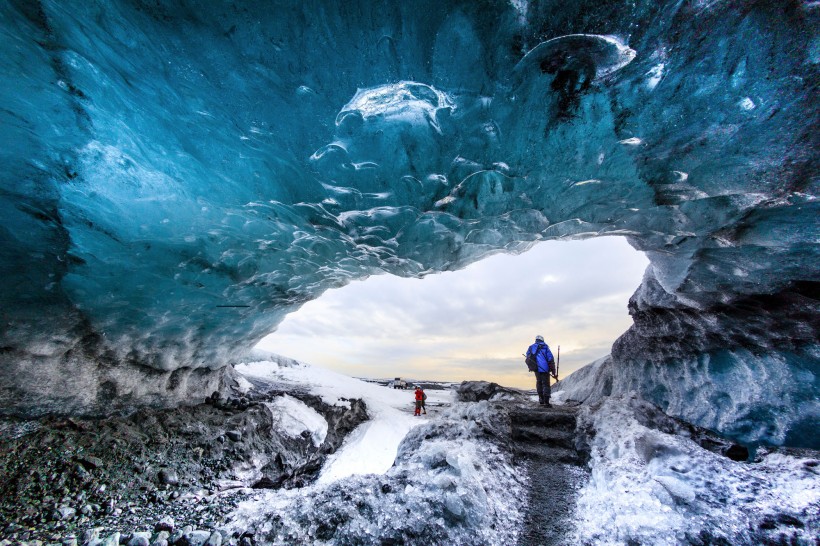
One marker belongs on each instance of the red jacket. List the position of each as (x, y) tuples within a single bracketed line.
[(419, 394)]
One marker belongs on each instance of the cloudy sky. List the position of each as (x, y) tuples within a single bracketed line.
[(474, 323)]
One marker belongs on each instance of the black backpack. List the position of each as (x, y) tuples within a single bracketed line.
[(531, 361)]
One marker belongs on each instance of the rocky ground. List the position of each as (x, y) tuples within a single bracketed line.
[(167, 476)]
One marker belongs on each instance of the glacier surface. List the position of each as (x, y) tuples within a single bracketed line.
[(177, 178)]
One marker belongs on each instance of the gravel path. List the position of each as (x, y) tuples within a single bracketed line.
[(546, 446)]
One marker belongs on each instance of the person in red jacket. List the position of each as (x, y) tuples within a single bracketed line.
[(420, 396)]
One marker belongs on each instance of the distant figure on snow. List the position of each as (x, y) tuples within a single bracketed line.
[(544, 367), (420, 398)]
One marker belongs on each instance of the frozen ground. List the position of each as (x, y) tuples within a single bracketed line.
[(371, 448), (653, 485), (444, 477), (483, 467), (651, 481)]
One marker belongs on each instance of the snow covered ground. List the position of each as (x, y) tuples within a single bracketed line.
[(436, 478), (652, 487), (371, 448)]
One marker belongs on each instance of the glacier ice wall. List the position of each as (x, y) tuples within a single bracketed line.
[(178, 177)]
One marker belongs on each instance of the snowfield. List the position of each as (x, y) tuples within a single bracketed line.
[(372, 448)]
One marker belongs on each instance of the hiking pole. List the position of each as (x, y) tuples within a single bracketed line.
[(558, 364)]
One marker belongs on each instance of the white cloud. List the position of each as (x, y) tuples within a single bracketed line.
[(474, 323)]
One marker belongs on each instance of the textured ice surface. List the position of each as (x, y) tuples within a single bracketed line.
[(652, 487), (176, 180), (588, 384), (755, 398)]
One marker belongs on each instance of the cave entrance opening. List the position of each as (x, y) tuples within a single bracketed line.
[(472, 324)]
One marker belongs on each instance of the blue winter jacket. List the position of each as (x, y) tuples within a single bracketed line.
[(542, 354)]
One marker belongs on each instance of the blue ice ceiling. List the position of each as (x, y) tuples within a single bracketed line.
[(178, 176)]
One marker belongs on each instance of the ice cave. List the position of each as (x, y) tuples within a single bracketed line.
[(178, 176)]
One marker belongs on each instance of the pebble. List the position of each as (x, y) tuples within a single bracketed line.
[(234, 435), (214, 540), (140, 539), (84, 474), (161, 539), (91, 535), (165, 524), (198, 538), (112, 540), (89, 461), (181, 534), (168, 477), (64, 512)]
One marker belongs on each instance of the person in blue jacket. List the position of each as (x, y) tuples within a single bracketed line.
[(546, 367)]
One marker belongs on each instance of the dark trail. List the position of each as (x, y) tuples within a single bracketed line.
[(554, 457)]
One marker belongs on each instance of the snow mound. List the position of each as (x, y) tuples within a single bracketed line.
[(294, 418)]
